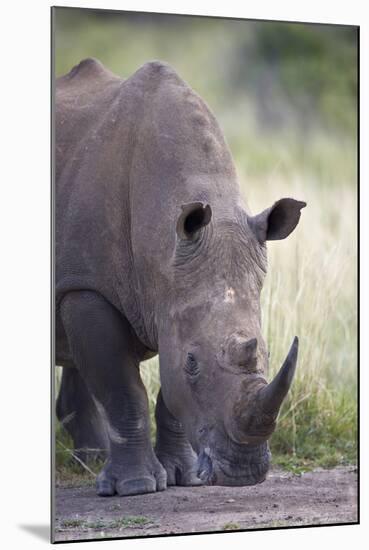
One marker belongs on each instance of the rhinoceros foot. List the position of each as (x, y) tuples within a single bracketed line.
[(173, 448), (126, 480), (180, 467)]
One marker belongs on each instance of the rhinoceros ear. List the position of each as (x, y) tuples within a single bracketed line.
[(194, 216), (278, 221)]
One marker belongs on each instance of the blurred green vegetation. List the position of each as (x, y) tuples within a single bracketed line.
[(285, 95)]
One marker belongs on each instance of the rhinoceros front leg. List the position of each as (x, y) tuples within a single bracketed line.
[(78, 415), (173, 449), (104, 348)]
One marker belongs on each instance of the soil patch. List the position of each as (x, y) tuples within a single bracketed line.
[(314, 498)]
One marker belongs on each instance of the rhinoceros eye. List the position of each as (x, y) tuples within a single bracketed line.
[(191, 366)]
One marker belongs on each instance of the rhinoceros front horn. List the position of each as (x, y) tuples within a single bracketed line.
[(271, 396)]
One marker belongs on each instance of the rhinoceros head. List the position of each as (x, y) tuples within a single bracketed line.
[(213, 357)]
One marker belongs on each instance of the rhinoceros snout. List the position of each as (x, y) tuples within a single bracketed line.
[(245, 466)]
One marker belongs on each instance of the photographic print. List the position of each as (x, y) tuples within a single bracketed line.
[(205, 194)]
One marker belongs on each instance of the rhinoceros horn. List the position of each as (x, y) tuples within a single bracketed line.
[(271, 396), (254, 419)]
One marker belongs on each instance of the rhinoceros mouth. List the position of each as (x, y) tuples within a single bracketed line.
[(252, 475), (244, 466)]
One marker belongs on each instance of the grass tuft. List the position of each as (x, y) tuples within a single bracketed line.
[(231, 527)]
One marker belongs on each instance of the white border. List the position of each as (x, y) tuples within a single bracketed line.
[(25, 201)]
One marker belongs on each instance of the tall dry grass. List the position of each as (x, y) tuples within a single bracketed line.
[(311, 291)]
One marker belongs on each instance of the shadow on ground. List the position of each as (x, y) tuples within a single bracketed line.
[(40, 531)]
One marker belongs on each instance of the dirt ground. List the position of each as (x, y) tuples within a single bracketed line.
[(317, 497)]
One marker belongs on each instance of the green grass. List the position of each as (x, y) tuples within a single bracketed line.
[(127, 522), (72, 523), (132, 521), (231, 527)]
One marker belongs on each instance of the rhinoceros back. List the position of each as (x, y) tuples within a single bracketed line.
[(129, 153)]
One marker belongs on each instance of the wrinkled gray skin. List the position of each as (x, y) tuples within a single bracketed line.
[(156, 253)]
